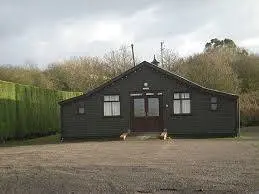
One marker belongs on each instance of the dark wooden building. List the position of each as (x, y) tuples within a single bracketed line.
[(147, 98)]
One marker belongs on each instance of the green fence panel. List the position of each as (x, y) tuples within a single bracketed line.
[(7, 110), (29, 111)]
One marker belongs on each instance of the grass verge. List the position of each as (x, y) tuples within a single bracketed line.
[(52, 139)]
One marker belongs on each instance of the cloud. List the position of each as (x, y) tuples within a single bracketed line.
[(250, 42), (47, 31)]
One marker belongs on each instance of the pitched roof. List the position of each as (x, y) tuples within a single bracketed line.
[(145, 63)]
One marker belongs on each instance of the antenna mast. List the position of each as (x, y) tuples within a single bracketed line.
[(133, 57), (161, 50)]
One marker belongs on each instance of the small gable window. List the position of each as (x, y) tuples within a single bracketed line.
[(182, 103), (80, 108), (213, 103), (111, 105)]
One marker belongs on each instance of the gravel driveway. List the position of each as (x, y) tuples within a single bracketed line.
[(153, 166)]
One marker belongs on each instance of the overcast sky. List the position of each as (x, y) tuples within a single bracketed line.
[(46, 31)]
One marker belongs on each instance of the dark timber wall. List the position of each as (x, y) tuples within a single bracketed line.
[(202, 120)]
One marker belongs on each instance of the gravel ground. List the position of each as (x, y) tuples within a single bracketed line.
[(152, 166)]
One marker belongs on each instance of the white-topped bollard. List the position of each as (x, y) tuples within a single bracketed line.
[(163, 135), (124, 135)]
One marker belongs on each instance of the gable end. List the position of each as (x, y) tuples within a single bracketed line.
[(163, 71)]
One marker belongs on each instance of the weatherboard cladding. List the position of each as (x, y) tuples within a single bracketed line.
[(201, 121)]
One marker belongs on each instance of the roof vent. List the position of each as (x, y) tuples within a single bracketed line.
[(155, 62)]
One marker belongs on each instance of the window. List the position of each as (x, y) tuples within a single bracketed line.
[(153, 107), (146, 107), (111, 105), (139, 107), (213, 103), (80, 108), (182, 103)]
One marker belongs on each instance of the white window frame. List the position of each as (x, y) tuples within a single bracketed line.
[(181, 98), (113, 102)]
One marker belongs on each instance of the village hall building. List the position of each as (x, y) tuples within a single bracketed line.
[(147, 98)]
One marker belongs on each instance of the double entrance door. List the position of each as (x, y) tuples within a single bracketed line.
[(146, 113)]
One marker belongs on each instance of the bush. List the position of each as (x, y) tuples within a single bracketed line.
[(249, 108)]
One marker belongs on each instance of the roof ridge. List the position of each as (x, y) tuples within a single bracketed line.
[(105, 84)]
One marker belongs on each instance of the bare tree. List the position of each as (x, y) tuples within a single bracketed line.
[(119, 60)]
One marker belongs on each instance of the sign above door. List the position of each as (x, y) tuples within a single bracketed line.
[(147, 94)]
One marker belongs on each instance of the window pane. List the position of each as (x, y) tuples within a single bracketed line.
[(176, 96), (153, 107), (177, 109), (213, 100), (107, 109), (186, 95), (186, 106), (114, 98), (139, 107), (115, 108), (81, 110), (107, 98), (214, 106)]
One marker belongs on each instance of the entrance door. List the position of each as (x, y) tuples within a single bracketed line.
[(147, 113)]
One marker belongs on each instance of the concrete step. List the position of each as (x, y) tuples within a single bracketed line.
[(143, 136)]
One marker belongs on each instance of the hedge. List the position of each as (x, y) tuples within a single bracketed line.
[(27, 111), (249, 108)]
